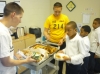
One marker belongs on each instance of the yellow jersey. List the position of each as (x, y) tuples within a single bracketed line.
[(56, 26)]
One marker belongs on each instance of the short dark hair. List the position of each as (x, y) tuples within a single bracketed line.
[(12, 7), (57, 4), (73, 24), (97, 19), (86, 28)]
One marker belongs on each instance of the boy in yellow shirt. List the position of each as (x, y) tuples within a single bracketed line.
[(54, 28)]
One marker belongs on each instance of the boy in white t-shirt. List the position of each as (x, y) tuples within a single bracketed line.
[(85, 30), (74, 49), (94, 43), (11, 17)]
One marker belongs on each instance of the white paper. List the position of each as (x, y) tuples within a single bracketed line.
[(86, 18), (2, 5), (79, 25)]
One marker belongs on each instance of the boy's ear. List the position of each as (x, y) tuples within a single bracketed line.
[(13, 14), (87, 33), (76, 29)]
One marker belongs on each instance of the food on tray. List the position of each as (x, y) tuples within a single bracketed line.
[(27, 52), (38, 46), (57, 56), (60, 56), (49, 48), (35, 55), (65, 57)]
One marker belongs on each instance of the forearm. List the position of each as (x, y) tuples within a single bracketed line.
[(60, 51), (13, 62), (8, 62), (17, 62), (46, 34), (64, 36)]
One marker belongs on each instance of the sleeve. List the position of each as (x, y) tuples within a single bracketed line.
[(98, 36), (4, 46), (87, 44), (98, 47), (47, 23), (98, 51), (78, 58)]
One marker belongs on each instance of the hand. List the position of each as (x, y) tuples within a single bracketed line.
[(60, 42), (48, 37), (95, 56), (60, 51), (66, 58), (30, 60), (18, 56)]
